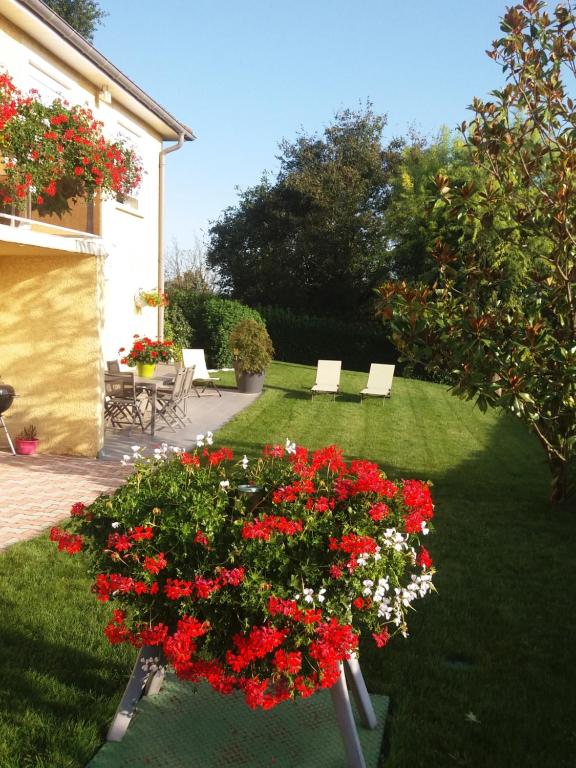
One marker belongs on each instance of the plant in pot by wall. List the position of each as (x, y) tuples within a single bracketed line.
[(27, 441), (145, 353), (252, 349)]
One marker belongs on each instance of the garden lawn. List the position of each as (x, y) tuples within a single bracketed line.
[(487, 677)]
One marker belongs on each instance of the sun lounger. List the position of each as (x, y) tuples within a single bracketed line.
[(379, 381), (327, 377)]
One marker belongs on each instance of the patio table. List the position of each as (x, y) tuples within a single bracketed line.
[(151, 385)]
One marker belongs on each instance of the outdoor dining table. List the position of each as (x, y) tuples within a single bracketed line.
[(151, 385)]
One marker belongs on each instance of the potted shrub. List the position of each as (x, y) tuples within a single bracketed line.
[(252, 350), (27, 441)]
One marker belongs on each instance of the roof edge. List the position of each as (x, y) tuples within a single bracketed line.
[(73, 38)]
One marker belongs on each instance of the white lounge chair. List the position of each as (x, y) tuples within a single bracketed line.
[(202, 378), (327, 377), (379, 381)]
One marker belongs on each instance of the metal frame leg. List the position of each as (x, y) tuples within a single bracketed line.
[(343, 709), (146, 680), (7, 434), (360, 693)]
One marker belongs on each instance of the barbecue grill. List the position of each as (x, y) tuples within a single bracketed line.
[(7, 395)]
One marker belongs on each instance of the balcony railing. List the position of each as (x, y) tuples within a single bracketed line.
[(44, 226)]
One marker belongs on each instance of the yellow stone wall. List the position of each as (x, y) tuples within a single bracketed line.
[(50, 349)]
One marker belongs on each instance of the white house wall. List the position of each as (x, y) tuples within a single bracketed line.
[(130, 236)]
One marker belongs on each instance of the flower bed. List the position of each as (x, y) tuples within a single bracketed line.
[(256, 576)]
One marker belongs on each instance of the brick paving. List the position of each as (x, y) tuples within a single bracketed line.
[(37, 491)]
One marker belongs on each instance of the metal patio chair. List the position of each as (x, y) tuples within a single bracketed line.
[(122, 404)]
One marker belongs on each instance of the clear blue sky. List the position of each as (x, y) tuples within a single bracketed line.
[(243, 74)]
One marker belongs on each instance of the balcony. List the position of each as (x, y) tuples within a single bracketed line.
[(77, 231)]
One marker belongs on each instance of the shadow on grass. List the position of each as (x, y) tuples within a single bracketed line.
[(33, 668)]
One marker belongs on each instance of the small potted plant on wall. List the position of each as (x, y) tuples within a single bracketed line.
[(252, 350), (27, 441)]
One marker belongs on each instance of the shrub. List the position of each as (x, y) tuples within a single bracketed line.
[(212, 318), (251, 346), (177, 329)]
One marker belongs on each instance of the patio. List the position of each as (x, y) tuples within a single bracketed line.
[(37, 491)]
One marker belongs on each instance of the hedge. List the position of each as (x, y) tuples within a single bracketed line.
[(212, 319), (305, 339)]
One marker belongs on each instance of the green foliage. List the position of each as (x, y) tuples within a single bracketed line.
[(84, 15), (28, 433), (314, 236), (177, 329), (503, 318), (412, 222), (212, 318), (251, 346), (301, 338)]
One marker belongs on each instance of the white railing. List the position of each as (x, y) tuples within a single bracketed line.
[(41, 226)]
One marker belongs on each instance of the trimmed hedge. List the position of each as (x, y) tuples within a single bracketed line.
[(304, 339), (212, 319)]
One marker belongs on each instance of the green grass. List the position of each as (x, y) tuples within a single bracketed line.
[(496, 641)]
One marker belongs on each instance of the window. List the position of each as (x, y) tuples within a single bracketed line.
[(50, 85), (130, 136)]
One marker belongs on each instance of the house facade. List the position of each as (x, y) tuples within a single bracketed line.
[(69, 283)]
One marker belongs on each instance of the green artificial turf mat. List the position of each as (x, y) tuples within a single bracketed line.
[(188, 726)]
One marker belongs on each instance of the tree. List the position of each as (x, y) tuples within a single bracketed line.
[(502, 312), (84, 15), (313, 237), (186, 269), (412, 222)]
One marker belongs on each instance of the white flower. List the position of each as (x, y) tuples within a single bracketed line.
[(164, 447), (245, 462), (135, 448), (199, 440), (290, 446), (125, 460), (224, 484), (209, 437), (425, 529), (115, 525), (368, 584), (320, 596), (385, 610)]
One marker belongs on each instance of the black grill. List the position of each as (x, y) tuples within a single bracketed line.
[(7, 395)]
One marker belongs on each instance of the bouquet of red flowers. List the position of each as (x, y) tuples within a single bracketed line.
[(256, 575)]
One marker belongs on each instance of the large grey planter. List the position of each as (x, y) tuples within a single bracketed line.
[(249, 383)]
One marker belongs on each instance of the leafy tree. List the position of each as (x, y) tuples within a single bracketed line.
[(84, 15), (502, 312), (412, 222), (313, 237)]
